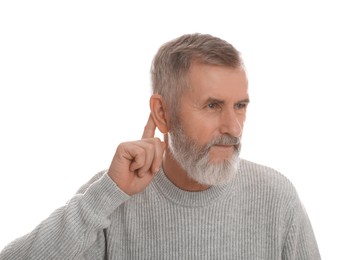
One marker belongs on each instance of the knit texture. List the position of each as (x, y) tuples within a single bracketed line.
[(258, 215)]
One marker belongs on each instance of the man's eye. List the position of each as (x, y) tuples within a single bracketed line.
[(241, 106), (213, 105)]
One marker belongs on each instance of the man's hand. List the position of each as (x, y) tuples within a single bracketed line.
[(135, 163)]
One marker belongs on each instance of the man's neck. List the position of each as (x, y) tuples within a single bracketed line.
[(178, 176)]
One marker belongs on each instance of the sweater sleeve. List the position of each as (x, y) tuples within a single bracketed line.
[(74, 231), (300, 242)]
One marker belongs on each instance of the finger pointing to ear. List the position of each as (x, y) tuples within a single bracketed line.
[(135, 163), (149, 129)]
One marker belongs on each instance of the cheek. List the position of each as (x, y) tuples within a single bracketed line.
[(242, 120), (201, 130)]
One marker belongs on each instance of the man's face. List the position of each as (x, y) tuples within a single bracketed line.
[(205, 138)]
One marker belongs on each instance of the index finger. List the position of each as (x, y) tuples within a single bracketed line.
[(149, 129)]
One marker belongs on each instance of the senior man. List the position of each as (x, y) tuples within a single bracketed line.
[(188, 196)]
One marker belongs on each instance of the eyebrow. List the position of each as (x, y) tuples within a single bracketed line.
[(214, 100), (246, 100), (219, 101)]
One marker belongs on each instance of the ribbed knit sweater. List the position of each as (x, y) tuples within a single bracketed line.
[(258, 215)]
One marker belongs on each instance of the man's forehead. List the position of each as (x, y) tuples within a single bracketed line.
[(218, 82)]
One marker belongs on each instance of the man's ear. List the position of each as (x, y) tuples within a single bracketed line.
[(159, 113)]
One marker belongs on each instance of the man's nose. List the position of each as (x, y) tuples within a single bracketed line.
[(230, 123)]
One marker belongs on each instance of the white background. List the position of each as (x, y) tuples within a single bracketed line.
[(74, 83)]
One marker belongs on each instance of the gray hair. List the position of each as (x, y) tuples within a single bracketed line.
[(170, 67)]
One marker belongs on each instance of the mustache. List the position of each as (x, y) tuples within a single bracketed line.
[(221, 140), (224, 140)]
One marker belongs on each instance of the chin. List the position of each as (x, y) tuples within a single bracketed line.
[(219, 160), (213, 174)]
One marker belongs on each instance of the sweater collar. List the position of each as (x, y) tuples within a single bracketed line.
[(190, 198)]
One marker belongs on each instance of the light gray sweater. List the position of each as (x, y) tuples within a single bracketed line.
[(258, 215)]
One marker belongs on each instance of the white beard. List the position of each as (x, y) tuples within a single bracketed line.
[(195, 159)]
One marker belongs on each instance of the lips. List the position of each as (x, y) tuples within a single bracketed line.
[(219, 146), (223, 145)]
